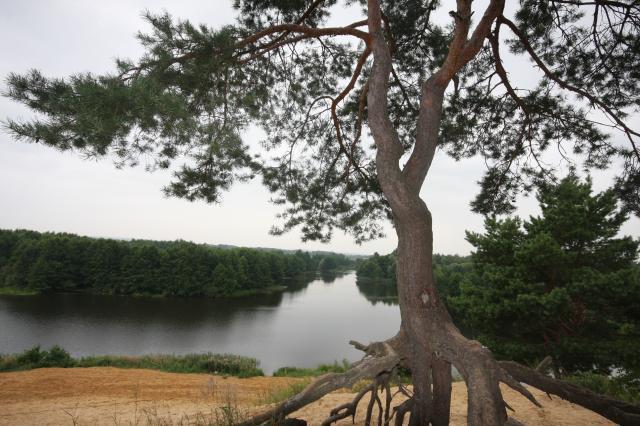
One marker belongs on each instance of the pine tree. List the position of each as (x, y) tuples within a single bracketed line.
[(560, 284), (415, 83)]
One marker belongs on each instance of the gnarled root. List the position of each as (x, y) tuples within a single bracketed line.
[(478, 368), (380, 358), (483, 375), (379, 383)]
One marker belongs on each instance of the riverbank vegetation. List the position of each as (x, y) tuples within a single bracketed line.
[(242, 367), (32, 262), (321, 369), (221, 364)]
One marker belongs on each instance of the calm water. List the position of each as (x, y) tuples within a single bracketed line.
[(303, 327)]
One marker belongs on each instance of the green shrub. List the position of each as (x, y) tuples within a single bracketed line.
[(311, 372), (31, 356), (36, 358), (57, 357), (615, 387)]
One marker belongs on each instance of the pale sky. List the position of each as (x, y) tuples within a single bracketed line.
[(45, 190)]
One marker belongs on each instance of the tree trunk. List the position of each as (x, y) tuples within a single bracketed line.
[(431, 341), (418, 304), (441, 371), (429, 337)]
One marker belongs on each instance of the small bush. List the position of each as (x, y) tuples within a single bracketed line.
[(36, 358), (312, 372), (31, 356), (57, 357)]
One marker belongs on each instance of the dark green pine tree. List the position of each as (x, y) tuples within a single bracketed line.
[(413, 83), (560, 284)]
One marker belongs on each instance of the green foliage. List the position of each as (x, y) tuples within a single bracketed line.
[(561, 284), (37, 358), (224, 364), (221, 364), (335, 262), (312, 372), (32, 262), (377, 267), (615, 387)]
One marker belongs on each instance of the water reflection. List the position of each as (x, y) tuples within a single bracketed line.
[(379, 291), (329, 276), (309, 324)]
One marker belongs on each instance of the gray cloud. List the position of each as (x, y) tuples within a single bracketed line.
[(46, 190)]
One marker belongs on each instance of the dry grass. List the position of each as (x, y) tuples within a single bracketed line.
[(111, 396)]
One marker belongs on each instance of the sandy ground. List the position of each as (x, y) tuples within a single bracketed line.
[(111, 396)]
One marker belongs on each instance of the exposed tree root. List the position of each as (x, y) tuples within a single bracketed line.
[(380, 358), (617, 411), (380, 366)]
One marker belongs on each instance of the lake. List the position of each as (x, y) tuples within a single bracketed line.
[(303, 327)]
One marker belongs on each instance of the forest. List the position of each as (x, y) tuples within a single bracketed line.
[(56, 262)]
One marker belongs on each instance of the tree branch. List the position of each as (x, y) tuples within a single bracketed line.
[(385, 136), (460, 53), (295, 28), (334, 115), (564, 85)]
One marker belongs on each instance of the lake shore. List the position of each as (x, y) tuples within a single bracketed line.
[(107, 396)]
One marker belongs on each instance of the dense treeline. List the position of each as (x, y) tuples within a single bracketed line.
[(68, 263)]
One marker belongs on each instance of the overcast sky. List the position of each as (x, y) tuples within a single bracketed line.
[(45, 190)]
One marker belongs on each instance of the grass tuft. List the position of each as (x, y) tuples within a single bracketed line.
[(278, 395)]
